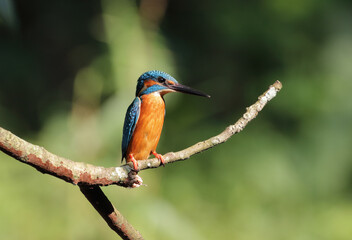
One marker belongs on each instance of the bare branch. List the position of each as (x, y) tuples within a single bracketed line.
[(113, 218), (90, 177), (87, 174)]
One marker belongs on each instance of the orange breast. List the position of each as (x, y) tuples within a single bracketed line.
[(148, 128)]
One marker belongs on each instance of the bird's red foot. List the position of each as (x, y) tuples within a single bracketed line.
[(135, 163), (160, 157)]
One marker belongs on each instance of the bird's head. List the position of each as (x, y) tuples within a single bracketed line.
[(161, 82)]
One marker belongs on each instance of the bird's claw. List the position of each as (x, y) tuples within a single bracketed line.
[(135, 163), (160, 157)]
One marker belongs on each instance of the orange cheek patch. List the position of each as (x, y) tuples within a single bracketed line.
[(149, 83), (170, 82)]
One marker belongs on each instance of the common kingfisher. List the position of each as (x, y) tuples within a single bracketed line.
[(145, 116)]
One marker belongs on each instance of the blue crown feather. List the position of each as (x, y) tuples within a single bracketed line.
[(153, 75)]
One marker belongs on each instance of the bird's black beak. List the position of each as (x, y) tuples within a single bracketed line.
[(185, 89)]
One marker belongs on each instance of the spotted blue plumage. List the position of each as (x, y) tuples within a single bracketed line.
[(153, 75), (131, 119)]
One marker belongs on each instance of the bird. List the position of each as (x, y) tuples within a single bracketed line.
[(145, 116)]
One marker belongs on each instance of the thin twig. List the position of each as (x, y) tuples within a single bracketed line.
[(248, 116)]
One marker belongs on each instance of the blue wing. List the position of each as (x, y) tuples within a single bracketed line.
[(131, 119)]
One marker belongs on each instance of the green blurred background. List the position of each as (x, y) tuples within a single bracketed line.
[(68, 71)]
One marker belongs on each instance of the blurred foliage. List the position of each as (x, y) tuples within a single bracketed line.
[(68, 73)]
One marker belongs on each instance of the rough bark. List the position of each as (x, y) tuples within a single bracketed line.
[(90, 177)]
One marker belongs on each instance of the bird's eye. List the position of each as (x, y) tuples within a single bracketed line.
[(161, 80)]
